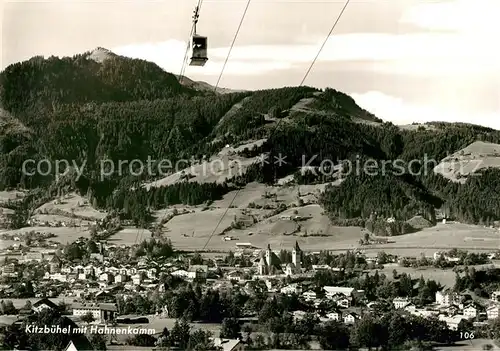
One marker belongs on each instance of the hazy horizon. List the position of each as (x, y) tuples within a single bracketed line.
[(405, 61)]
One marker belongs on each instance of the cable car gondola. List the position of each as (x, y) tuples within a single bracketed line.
[(198, 45), (199, 49)]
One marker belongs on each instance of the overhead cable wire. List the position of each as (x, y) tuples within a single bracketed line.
[(278, 122), (232, 45), (184, 62), (184, 65), (324, 42), (215, 89)]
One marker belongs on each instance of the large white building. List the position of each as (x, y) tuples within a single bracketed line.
[(197, 272), (332, 291), (291, 289), (452, 322), (470, 312), (447, 298), (495, 295), (350, 318), (401, 302), (493, 311), (309, 295), (101, 312)]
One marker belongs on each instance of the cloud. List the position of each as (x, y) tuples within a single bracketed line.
[(169, 55), (403, 52), (397, 111), (423, 54), (473, 17), (455, 50)]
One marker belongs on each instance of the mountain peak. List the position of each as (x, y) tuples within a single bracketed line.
[(100, 54)]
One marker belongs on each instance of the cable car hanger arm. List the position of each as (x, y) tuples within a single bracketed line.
[(196, 16)]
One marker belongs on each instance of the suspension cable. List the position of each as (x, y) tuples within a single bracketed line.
[(188, 45), (232, 45), (183, 69), (278, 122)]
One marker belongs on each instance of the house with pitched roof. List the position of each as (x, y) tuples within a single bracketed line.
[(493, 311), (229, 344), (55, 265), (42, 304), (79, 343), (350, 318), (101, 312)]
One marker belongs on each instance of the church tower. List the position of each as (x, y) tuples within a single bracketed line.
[(268, 254), (262, 266), (297, 257)]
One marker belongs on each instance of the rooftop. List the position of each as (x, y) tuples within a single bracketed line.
[(226, 344), (93, 306), (338, 290)]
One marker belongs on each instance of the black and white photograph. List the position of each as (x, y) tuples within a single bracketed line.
[(237, 175)]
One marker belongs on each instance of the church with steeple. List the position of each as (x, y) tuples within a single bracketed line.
[(295, 267), (270, 263)]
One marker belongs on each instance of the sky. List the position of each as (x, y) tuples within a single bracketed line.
[(403, 60)]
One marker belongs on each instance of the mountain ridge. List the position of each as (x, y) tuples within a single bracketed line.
[(127, 109), (204, 86)]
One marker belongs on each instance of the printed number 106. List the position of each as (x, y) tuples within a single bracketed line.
[(466, 335)]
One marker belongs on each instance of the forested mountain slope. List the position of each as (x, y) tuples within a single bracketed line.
[(86, 111)]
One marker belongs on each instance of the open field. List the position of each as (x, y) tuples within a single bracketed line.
[(4, 215), (191, 231), (253, 192), (192, 227), (18, 303), (469, 345), (451, 235), (130, 236), (10, 195), (219, 168), (476, 156), (159, 215), (158, 324), (63, 234), (72, 203), (444, 276), (256, 193), (259, 240), (58, 218), (428, 241)]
